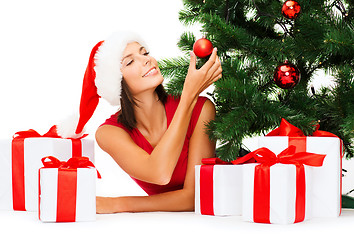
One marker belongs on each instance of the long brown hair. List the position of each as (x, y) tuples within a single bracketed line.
[(126, 115)]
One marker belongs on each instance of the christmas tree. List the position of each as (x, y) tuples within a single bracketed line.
[(256, 39)]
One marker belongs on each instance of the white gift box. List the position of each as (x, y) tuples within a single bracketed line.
[(85, 199), (34, 150), (227, 190), (282, 209), (324, 192)]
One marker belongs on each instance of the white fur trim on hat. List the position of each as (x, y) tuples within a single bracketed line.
[(66, 128), (108, 63)]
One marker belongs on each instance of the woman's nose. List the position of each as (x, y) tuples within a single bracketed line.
[(145, 60)]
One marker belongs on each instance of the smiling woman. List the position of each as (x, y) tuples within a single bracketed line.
[(140, 79), (127, 116), (155, 138)]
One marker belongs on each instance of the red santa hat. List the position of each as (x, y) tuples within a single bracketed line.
[(102, 79)]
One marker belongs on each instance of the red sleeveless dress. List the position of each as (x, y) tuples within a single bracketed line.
[(179, 173)]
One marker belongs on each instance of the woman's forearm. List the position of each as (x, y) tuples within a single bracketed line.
[(179, 200), (170, 145)]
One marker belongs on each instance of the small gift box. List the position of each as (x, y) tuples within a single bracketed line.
[(325, 190), (275, 188), (67, 190), (218, 188), (20, 159)]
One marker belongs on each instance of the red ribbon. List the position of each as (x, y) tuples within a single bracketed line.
[(18, 175), (206, 185), (72, 163), (266, 158), (67, 184), (298, 139), (296, 136)]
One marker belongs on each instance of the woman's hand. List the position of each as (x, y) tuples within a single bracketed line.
[(197, 80), (107, 205)]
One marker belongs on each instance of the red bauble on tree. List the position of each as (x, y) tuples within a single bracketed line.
[(291, 9), (286, 75), (202, 48)]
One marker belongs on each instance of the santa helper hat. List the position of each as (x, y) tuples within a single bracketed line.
[(102, 79)]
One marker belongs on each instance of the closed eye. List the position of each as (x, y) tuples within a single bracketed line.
[(132, 60)]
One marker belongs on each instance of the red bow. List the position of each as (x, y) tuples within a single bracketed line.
[(52, 133), (297, 137), (287, 129), (267, 158), (287, 156), (72, 163)]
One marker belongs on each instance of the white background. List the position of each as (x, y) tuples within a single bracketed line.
[(45, 46)]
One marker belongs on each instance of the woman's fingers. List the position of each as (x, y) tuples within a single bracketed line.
[(193, 61), (209, 67), (215, 70), (197, 80), (211, 61)]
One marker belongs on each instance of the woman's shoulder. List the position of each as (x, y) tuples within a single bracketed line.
[(203, 104), (206, 104)]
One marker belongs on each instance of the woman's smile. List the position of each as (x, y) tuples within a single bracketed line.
[(152, 71)]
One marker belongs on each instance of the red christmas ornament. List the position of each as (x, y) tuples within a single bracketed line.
[(286, 75), (291, 9), (202, 48)]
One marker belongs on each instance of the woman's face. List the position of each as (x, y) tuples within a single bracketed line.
[(139, 69)]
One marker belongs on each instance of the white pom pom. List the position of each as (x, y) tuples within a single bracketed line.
[(67, 127)]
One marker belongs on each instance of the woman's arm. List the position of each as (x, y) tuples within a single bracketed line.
[(158, 167), (180, 200)]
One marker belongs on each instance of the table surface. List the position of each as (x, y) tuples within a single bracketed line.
[(169, 225)]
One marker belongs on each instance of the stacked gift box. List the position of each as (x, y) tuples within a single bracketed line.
[(67, 190), (20, 162), (288, 179)]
